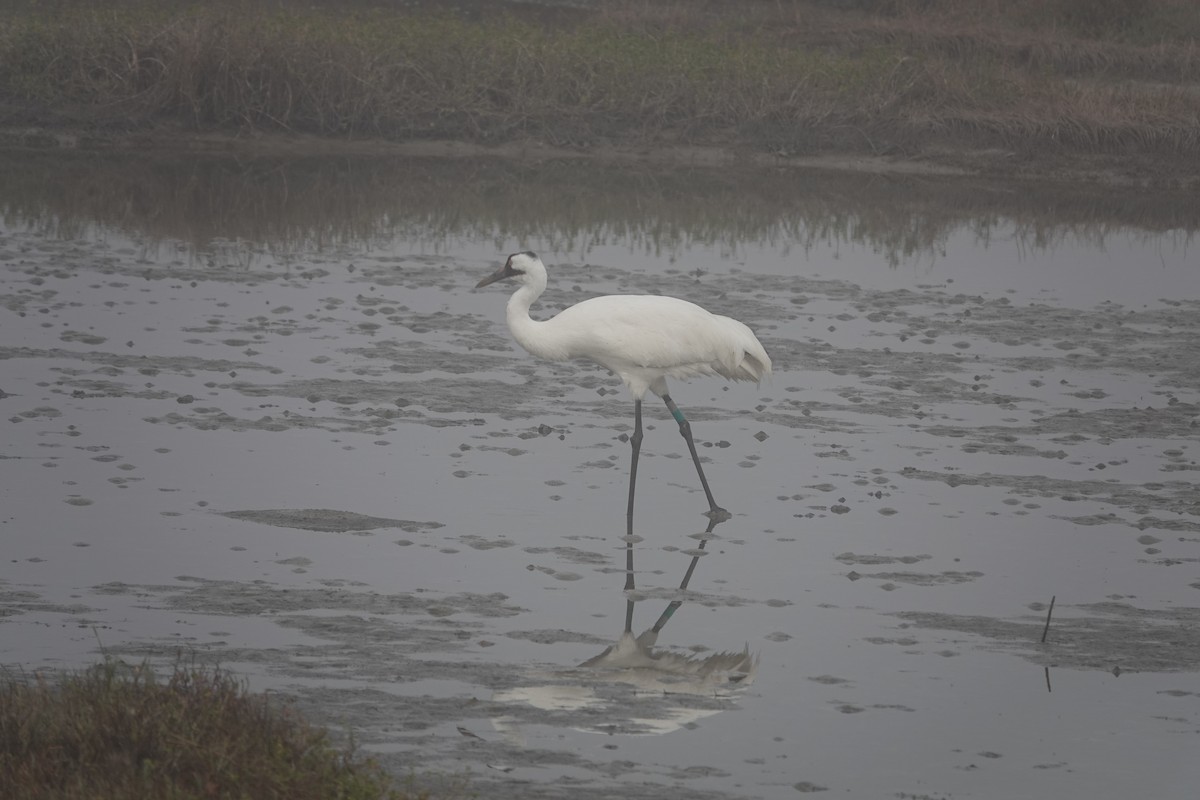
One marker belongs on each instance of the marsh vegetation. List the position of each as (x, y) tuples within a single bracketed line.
[(912, 77), (118, 731)]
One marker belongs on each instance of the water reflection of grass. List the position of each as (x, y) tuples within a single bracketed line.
[(337, 204)]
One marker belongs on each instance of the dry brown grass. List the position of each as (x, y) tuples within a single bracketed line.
[(114, 732), (882, 76)]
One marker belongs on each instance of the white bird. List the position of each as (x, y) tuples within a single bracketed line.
[(643, 339)]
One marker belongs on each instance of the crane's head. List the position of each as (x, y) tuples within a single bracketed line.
[(521, 267)]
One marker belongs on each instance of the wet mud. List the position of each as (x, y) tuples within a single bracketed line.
[(335, 473)]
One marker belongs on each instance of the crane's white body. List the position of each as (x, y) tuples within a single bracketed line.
[(643, 339)]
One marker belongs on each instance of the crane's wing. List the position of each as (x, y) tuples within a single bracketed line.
[(665, 334)]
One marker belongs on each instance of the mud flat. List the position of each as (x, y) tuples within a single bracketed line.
[(322, 463)]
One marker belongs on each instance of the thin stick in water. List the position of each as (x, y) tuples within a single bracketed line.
[(1050, 611)]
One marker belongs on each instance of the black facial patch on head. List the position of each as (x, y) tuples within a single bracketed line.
[(508, 265)]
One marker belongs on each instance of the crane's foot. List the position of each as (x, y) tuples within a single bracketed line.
[(718, 514)]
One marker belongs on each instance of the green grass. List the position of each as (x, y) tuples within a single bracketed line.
[(117, 733), (787, 77)]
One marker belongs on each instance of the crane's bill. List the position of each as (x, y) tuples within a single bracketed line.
[(506, 271)]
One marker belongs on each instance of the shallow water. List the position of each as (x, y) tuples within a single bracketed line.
[(256, 413)]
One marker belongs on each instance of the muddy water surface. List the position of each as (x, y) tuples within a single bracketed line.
[(255, 414)]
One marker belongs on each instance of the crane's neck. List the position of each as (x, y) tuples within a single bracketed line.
[(536, 337)]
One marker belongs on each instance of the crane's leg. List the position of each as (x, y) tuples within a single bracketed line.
[(636, 442), (685, 428)]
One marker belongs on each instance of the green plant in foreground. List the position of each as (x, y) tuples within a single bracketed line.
[(114, 731)]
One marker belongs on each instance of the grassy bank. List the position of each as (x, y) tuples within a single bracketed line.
[(909, 77), (115, 733)]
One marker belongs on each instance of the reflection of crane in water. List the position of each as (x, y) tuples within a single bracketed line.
[(643, 339), (669, 690)]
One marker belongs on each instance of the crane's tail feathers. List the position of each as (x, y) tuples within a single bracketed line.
[(750, 359), (754, 367)]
